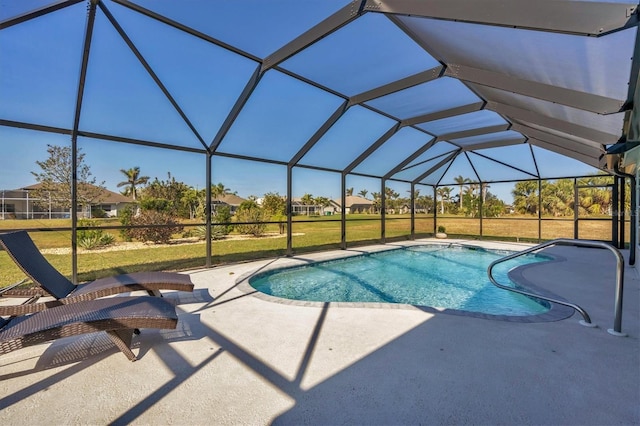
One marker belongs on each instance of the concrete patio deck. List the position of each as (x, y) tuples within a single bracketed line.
[(239, 359)]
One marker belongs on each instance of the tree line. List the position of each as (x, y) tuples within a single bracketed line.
[(165, 202), (557, 198)]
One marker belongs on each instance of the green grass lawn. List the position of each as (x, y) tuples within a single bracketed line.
[(310, 234)]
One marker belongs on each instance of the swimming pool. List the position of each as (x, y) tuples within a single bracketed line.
[(451, 277)]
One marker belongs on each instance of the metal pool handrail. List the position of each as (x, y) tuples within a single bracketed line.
[(617, 325)]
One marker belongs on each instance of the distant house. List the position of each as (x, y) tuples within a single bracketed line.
[(111, 202), (21, 204), (354, 204), (298, 207), (230, 200)]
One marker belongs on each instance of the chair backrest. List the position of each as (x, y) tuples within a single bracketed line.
[(26, 255)]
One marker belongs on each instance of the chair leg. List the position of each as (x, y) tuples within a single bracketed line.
[(122, 339)]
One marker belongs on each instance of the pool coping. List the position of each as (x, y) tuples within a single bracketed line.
[(556, 311)]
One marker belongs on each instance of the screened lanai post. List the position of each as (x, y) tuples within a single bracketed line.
[(615, 214), (363, 156), (633, 238), (207, 208), (343, 215), (383, 210), (435, 209), (633, 234), (413, 211), (481, 206), (313, 140), (539, 210), (480, 188), (576, 204), (622, 209), (74, 139), (289, 210)]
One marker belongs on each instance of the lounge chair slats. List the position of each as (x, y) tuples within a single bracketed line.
[(26, 255), (118, 316)]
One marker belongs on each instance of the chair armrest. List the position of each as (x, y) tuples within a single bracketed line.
[(27, 307)]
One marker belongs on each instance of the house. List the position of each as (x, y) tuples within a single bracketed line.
[(354, 204), (111, 203), (298, 207), (22, 204), (230, 200)]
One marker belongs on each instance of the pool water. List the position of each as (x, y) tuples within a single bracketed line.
[(451, 277)]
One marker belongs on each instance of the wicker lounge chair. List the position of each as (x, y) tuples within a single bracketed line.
[(51, 282), (118, 316)]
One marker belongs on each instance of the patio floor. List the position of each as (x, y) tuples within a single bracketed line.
[(239, 359)]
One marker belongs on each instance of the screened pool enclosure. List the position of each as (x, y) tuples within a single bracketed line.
[(434, 102)]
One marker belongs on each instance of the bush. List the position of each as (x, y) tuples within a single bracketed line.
[(221, 216), (218, 232), (94, 241), (442, 229), (255, 216), (93, 238), (157, 234), (125, 215), (98, 213)]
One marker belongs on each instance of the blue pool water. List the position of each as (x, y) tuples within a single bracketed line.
[(452, 277)]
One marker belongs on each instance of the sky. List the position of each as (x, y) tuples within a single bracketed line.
[(39, 74)]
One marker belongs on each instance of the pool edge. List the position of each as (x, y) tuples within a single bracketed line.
[(556, 312)]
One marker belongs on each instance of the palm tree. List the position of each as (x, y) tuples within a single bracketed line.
[(484, 187), (307, 200), (349, 191), (416, 196), (133, 181), (391, 198), (461, 181), (219, 190), (444, 193), (377, 200), (525, 197), (363, 193)]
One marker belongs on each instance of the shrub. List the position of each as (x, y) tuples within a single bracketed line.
[(442, 229), (164, 225), (125, 215), (254, 218), (98, 213), (222, 216), (94, 241), (93, 238), (220, 227), (217, 232)]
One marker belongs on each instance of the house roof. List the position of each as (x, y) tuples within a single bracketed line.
[(297, 201), (105, 197), (229, 199), (352, 200)]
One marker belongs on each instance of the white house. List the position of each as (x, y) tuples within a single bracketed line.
[(354, 204)]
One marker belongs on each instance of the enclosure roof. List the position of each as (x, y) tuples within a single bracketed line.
[(420, 92)]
